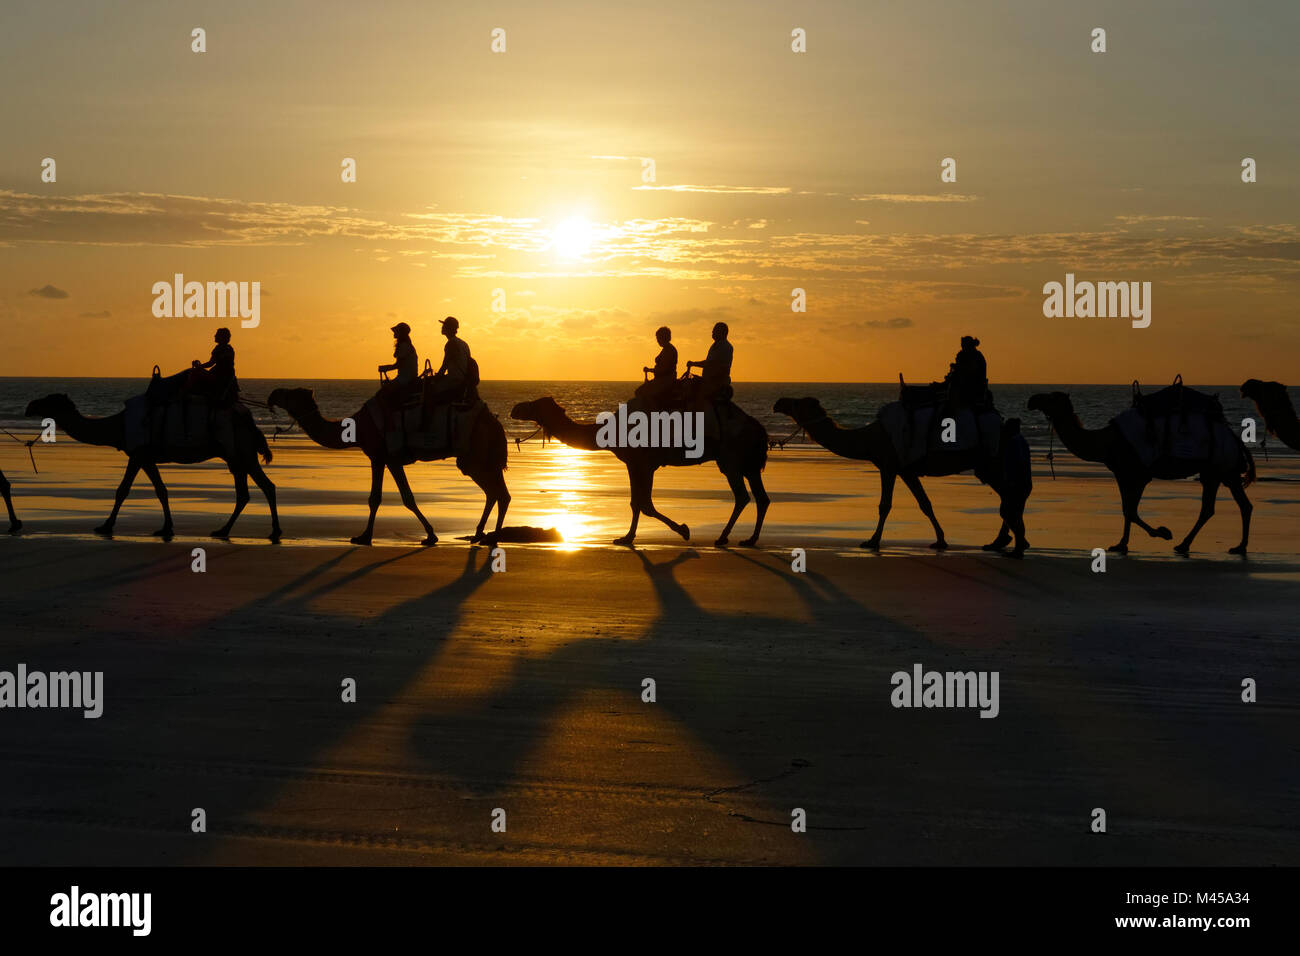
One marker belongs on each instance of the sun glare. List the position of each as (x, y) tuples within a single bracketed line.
[(573, 238)]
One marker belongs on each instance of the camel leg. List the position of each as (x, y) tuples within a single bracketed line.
[(650, 511), (914, 486), (1130, 496), (496, 493), (886, 502), (241, 501), (1209, 490), (268, 489), (376, 496), (1239, 495), (408, 499), (634, 492), (14, 524), (761, 501), (123, 489), (737, 483), (151, 471)]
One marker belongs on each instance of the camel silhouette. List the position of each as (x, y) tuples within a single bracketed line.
[(485, 462), (1275, 406), (1109, 446), (739, 459), (14, 524), (872, 443), (111, 431)]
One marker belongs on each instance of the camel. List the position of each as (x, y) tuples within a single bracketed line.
[(740, 459), (872, 443), (485, 462), (1275, 406), (1108, 446), (111, 431), (14, 524)]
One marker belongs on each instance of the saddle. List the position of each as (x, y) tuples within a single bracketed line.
[(1177, 400)]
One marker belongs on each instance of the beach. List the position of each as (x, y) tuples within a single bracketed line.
[(522, 690)]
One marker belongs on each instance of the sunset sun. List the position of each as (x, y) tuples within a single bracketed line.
[(573, 238)]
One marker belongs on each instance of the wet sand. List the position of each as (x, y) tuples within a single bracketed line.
[(522, 690)]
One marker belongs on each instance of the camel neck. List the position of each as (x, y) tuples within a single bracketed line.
[(92, 431), (847, 443), (574, 434), (1083, 443), (327, 432)]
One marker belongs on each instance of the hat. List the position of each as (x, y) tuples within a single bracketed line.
[(452, 321), (401, 328)]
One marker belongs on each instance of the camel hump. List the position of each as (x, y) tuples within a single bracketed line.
[(916, 431)]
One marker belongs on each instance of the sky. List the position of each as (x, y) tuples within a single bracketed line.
[(508, 188)]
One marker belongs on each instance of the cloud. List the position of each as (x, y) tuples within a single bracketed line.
[(741, 190), (95, 315), (48, 292), (899, 322), (914, 197)]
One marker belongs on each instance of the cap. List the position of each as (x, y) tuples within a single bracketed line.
[(452, 321), (401, 328)]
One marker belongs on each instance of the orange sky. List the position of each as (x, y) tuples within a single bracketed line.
[(522, 172)]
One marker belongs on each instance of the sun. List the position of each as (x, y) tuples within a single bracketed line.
[(573, 238)]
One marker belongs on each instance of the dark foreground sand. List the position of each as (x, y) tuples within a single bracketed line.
[(522, 690)]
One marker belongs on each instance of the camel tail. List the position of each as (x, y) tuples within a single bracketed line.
[(1249, 474)]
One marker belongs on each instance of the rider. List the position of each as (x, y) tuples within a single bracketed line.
[(715, 382), (454, 374), (968, 378), (665, 368), (406, 366), (215, 378)]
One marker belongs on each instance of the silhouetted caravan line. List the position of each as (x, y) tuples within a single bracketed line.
[(1275, 406), (1224, 459), (872, 443), (740, 456), (14, 524), (483, 457), (225, 433)]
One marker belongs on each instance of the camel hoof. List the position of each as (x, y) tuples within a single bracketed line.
[(222, 534), (1163, 532), (1118, 549), (685, 532), (721, 542), (1239, 549), (165, 533), (106, 530), (749, 543), (362, 539), (274, 536), (627, 539), (939, 545), (431, 540), (1183, 548), (15, 527), (872, 545), (997, 544)]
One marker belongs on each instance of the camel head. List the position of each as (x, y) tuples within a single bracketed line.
[(539, 410), (51, 406), (802, 410), (1267, 393), (1052, 404), (293, 400)]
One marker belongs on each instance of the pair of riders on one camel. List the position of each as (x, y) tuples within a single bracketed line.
[(665, 390), (455, 380)]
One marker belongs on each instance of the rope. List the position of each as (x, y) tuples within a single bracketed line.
[(772, 443), (29, 444), (1051, 445), (520, 441)]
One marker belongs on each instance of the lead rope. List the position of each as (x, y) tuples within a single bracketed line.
[(29, 445), (1051, 445), (782, 443)]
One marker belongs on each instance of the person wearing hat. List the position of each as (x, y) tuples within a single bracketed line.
[(407, 365), (453, 375)]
